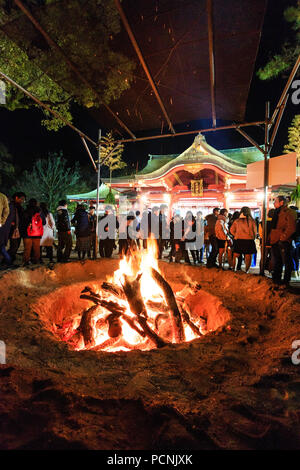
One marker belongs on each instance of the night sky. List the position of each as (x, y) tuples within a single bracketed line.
[(27, 140)]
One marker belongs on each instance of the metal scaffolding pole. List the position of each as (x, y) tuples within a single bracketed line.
[(266, 184), (178, 134), (98, 188), (143, 63), (210, 28)]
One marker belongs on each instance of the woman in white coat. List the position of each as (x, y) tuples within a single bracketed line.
[(47, 239)]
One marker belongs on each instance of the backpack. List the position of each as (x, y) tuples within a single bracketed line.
[(35, 228)]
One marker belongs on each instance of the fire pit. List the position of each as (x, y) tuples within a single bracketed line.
[(135, 308), (234, 386)]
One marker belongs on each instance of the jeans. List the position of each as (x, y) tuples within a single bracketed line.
[(214, 251), (6, 255), (64, 246), (282, 254)]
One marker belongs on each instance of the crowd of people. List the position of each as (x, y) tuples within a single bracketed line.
[(221, 238)]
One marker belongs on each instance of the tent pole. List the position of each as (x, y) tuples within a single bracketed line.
[(266, 183), (98, 187)]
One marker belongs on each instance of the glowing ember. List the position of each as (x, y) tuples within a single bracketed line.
[(159, 317)]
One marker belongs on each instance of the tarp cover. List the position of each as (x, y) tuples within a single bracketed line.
[(173, 38)]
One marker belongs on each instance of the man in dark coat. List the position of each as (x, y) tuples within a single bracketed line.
[(18, 200), (281, 237), (82, 231), (211, 220), (107, 233)]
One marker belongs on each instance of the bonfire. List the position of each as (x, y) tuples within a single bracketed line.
[(135, 308)]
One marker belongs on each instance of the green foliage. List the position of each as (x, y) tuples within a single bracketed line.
[(110, 198), (285, 60), (295, 196), (111, 153), (7, 169), (293, 144), (50, 180), (85, 35)]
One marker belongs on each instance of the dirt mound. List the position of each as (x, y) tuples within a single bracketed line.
[(235, 388)]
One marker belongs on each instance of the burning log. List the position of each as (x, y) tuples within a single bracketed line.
[(132, 324), (113, 289), (178, 329), (186, 317), (160, 306), (113, 307), (132, 290), (114, 325), (85, 327), (89, 289)]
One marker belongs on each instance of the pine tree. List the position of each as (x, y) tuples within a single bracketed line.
[(293, 145), (281, 63), (111, 154), (50, 180)]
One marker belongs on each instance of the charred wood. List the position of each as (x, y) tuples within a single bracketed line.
[(178, 329), (113, 289), (132, 290), (85, 327)]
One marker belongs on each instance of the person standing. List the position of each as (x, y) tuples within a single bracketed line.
[(281, 236), (4, 209), (47, 239), (18, 200), (32, 231), (164, 230), (63, 227), (82, 231), (200, 224), (211, 224), (189, 238), (244, 231), (222, 234), (93, 238), (108, 225), (4, 235)]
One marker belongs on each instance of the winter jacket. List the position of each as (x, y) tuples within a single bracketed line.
[(211, 224), (4, 209), (285, 226), (81, 222), (17, 218), (28, 214), (62, 219), (221, 228), (190, 230), (48, 235), (242, 229)]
